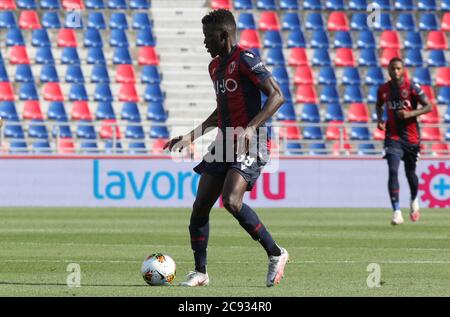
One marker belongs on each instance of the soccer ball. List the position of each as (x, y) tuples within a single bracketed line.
[(158, 269)]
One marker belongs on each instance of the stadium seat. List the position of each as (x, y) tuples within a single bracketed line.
[(269, 21), (360, 134), (249, 39), (96, 20), (32, 110), (243, 4), (431, 134), (344, 57), (26, 4), (109, 129), (37, 129), (246, 21), (334, 112), (52, 92), (23, 74), (18, 147), (145, 37), (426, 5), (339, 148), (405, 22), (7, 20), (310, 113), (358, 112), (118, 20), (153, 93), (56, 111), (440, 149), (113, 147), (156, 112), (14, 37), (312, 133), (431, 117), (388, 54), (128, 93), (317, 149), (29, 19), (366, 40), (291, 21), (445, 24), (159, 132), (292, 148), (350, 76), (443, 76), (306, 94), (280, 74), (13, 129), (103, 93), (357, 5), (367, 58), (319, 39), (404, 5), (70, 56), (366, 149), (40, 38), (61, 129), (436, 58), (147, 56), (383, 4), (95, 56), (67, 38), (329, 94), (18, 55), (327, 76), (28, 91), (266, 5), (44, 56), (272, 39), (342, 39), (312, 5), (296, 39), (141, 21), (413, 58), (85, 130), (78, 92), (286, 90), (358, 22), (88, 147), (428, 22), (49, 4), (289, 130), (41, 147), (436, 40), (220, 4), (336, 131), (384, 22), (335, 5), (337, 21), (117, 4), (289, 5), (3, 74), (446, 115), (92, 38), (118, 38), (286, 112), (352, 94), (413, 40), (73, 20), (137, 147), (50, 20), (99, 74), (7, 5), (125, 74), (275, 56), (104, 111), (321, 58), (8, 110), (314, 21), (429, 91), (390, 39), (304, 75), (445, 5), (130, 112), (122, 55), (140, 4), (150, 75), (374, 76), (443, 96), (81, 111), (422, 76), (134, 131), (74, 74), (6, 91)]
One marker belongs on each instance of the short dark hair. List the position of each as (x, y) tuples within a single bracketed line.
[(396, 59), (220, 18)]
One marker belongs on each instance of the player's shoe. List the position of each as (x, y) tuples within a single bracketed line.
[(196, 279), (414, 211), (397, 218), (276, 268)]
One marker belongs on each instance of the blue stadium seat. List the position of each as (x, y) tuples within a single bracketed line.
[(335, 5), (327, 76), (383, 4), (385, 22), (372, 94), (88, 147), (334, 112), (92, 38), (272, 39), (293, 148), (73, 20), (366, 149), (118, 38), (310, 113), (352, 94), (317, 149), (28, 92), (18, 147), (78, 92), (134, 131), (37, 129), (350, 76), (74, 74), (94, 4), (275, 56), (159, 132), (447, 115), (139, 4), (436, 58), (319, 39), (141, 21), (246, 21), (13, 129), (329, 94), (342, 39), (357, 5), (280, 74), (7, 20), (144, 37), (137, 148), (428, 22), (286, 112), (103, 93), (99, 74), (447, 135), (85, 130), (62, 130), (14, 37), (44, 56), (153, 93), (118, 20), (96, 21), (445, 5), (104, 111), (156, 112), (266, 5), (70, 56), (24, 74), (95, 56), (374, 76), (443, 96), (26, 4), (413, 40), (314, 21), (243, 5), (358, 21), (360, 133), (405, 22), (413, 58), (290, 21), (296, 39), (404, 5), (312, 5), (289, 5), (3, 74), (312, 133), (50, 20), (321, 58), (130, 112), (113, 147), (426, 5), (368, 57), (422, 76), (50, 4), (8, 111), (56, 111), (122, 56), (40, 38), (117, 4), (150, 75)]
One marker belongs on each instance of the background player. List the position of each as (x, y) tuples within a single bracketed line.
[(402, 140), (238, 76)]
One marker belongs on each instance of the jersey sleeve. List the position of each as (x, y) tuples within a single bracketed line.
[(417, 92), (252, 66)]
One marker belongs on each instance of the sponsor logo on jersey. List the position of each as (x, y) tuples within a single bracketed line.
[(404, 93), (231, 67)]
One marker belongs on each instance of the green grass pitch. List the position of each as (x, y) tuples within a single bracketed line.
[(330, 250)]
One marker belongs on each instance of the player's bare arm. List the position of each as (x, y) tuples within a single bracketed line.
[(426, 107), (183, 141), (379, 106)]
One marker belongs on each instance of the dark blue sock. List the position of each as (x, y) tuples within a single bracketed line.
[(249, 220), (393, 184), (199, 231)]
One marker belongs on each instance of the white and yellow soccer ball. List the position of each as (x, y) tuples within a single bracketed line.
[(158, 269)]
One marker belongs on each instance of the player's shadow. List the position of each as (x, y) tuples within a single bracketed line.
[(64, 284)]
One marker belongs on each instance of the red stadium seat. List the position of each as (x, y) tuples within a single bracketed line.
[(440, 149), (18, 55), (6, 92), (390, 39), (306, 94), (431, 117), (291, 131), (52, 92), (29, 19), (344, 57), (437, 40), (334, 131), (147, 56), (220, 4), (304, 75), (269, 21), (128, 93), (445, 25), (81, 111), (67, 38), (338, 148), (125, 74), (358, 112), (32, 110), (158, 145), (378, 135), (431, 134), (388, 54), (73, 4), (65, 146), (109, 129), (337, 21), (443, 76), (298, 57), (250, 39), (7, 5), (428, 90)]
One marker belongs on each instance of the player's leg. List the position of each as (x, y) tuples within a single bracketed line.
[(232, 195), (413, 182), (393, 161)]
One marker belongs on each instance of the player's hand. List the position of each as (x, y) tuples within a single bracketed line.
[(381, 125), (245, 139), (178, 143), (403, 114)]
